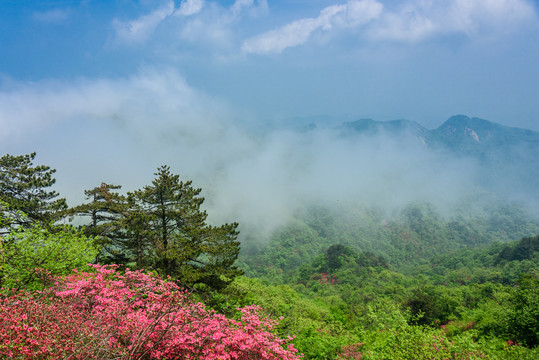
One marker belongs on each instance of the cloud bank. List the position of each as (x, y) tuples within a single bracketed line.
[(121, 130)]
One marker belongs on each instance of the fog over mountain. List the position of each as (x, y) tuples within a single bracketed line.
[(259, 176), (384, 164), (252, 171)]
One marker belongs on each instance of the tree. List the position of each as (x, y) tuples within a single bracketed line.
[(30, 256), (105, 211), (429, 305), (23, 189), (182, 244), (105, 207), (523, 313), (161, 226), (334, 256), (523, 250)]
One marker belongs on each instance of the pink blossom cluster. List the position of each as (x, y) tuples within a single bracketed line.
[(327, 279), (108, 315), (351, 352)]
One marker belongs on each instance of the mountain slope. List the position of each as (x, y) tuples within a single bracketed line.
[(474, 136), (507, 158), (393, 128), (460, 134)]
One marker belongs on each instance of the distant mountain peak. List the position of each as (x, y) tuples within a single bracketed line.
[(501, 152), (462, 122), (393, 127), (461, 130)]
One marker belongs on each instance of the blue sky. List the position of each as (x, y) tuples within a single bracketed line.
[(417, 59), (146, 81)]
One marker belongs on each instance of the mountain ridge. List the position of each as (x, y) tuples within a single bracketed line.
[(507, 157), (460, 134)]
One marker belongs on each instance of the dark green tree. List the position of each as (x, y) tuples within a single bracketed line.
[(523, 250), (107, 213), (334, 257), (181, 244), (429, 306), (526, 247), (24, 192), (523, 313)]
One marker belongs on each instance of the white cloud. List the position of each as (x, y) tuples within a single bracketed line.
[(55, 16), (493, 12), (117, 129), (261, 6), (207, 25), (239, 4), (357, 13), (163, 97), (351, 14), (420, 19), (190, 7), (139, 30), (213, 29), (411, 21), (293, 34)]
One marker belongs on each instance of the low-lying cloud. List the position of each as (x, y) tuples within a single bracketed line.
[(121, 130)]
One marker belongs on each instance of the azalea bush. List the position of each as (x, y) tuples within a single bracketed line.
[(134, 315)]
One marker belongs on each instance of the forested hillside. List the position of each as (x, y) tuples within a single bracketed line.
[(344, 276), (408, 238), (338, 281), (506, 158)]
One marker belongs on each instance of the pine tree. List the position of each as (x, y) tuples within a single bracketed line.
[(162, 227), (23, 190), (105, 211), (182, 244)]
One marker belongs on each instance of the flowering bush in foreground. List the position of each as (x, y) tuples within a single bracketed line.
[(107, 315)]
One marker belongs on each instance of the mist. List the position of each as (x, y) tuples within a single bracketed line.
[(120, 130)]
